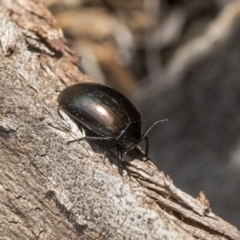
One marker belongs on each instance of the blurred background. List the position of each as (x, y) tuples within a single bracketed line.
[(175, 59)]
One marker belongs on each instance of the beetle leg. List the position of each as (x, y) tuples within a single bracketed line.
[(146, 149), (59, 113), (89, 138), (119, 150), (123, 155)]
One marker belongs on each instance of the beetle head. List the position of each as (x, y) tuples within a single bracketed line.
[(131, 136)]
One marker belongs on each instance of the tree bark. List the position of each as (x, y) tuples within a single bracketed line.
[(51, 190)]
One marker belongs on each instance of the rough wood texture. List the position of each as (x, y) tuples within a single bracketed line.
[(53, 191)]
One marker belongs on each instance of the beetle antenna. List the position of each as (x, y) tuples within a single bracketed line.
[(159, 121), (146, 149)]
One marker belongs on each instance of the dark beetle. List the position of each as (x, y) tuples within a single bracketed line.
[(106, 112)]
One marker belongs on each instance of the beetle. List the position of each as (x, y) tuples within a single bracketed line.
[(107, 113)]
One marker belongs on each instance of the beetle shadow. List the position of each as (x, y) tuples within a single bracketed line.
[(109, 150)]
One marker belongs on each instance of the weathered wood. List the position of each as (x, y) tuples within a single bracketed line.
[(50, 190)]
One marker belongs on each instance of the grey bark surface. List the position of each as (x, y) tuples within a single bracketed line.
[(51, 190)]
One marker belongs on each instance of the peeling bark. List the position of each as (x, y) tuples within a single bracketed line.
[(50, 190)]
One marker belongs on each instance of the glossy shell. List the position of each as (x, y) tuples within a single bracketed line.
[(104, 111)]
